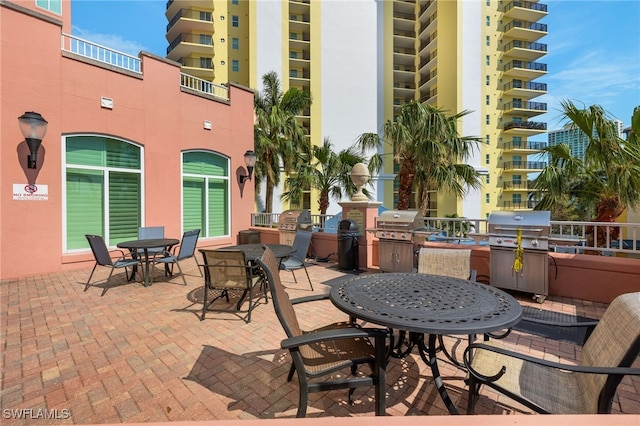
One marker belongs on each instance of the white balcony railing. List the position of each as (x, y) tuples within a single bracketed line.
[(565, 236), (100, 53)]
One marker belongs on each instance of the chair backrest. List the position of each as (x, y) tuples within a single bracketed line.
[(188, 244), (614, 342), (100, 250), (301, 243), (454, 263), (225, 269), (281, 302), (150, 232)]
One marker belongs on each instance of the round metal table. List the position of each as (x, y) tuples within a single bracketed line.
[(145, 245), (427, 304)]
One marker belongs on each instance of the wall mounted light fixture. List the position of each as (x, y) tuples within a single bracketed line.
[(250, 162), (33, 128)]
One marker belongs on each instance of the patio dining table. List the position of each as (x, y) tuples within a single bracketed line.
[(145, 245), (427, 304), (254, 251)]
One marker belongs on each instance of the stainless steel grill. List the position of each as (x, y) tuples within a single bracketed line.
[(395, 229), (292, 220), (531, 274)]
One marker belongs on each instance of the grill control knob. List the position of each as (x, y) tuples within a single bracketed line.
[(403, 236), (393, 235), (499, 240), (534, 243)]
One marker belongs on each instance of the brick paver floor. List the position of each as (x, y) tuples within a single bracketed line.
[(143, 355)]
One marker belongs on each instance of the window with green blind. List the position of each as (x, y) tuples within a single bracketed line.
[(54, 6), (103, 185), (205, 193)]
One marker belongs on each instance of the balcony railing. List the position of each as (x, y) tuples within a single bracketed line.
[(608, 238), (536, 146), (525, 165), (190, 38), (526, 5), (528, 85), (532, 125), (190, 14), (100, 53), (518, 44), (535, 26), (203, 86), (533, 66), (536, 106)]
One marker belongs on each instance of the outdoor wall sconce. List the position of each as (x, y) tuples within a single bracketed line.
[(250, 162), (33, 128)]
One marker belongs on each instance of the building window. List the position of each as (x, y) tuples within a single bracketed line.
[(234, 2), (488, 2), (234, 20), (487, 179), (487, 139), (488, 21), (487, 158), (487, 198), (235, 65), (54, 6), (102, 193), (205, 16), (206, 63), (488, 41), (293, 54), (293, 73), (205, 193), (487, 119), (487, 60), (235, 43), (487, 80), (206, 39), (487, 100)]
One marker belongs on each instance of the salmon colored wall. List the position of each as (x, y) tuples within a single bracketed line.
[(149, 110)]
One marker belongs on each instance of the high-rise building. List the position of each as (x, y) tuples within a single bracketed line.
[(576, 138), (362, 59)]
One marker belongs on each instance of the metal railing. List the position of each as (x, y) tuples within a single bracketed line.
[(565, 236), (100, 53)]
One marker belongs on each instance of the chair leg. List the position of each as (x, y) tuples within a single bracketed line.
[(86, 287), (179, 270), (473, 394), (106, 284), (204, 306), (292, 370), (294, 277), (303, 399), (307, 272)]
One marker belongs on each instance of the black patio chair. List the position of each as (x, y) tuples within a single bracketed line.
[(559, 388), (301, 243), (103, 257), (226, 271), (328, 349), (185, 250)]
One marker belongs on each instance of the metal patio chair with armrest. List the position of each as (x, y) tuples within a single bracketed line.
[(301, 243), (454, 263), (559, 388), (226, 271), (328, 349), (185, 250), (103, 257)]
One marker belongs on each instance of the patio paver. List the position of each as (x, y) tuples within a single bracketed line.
[(143, 355)]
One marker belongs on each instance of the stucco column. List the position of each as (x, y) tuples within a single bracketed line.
[(364, 214)]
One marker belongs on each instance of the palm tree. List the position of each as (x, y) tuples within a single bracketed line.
[(325, 171), (603, 184), (428, 148), (277, 133)]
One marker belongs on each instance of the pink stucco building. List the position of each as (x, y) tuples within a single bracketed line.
[(130, 142)]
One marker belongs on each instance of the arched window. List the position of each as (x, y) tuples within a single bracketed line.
[(102, 193), (205, 193)]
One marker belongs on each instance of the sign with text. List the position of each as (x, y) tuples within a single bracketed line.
[(30, 192)]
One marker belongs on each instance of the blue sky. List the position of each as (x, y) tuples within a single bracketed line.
[(593, 47)]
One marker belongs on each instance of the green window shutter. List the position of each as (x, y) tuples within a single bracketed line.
[(122, 155), (85, 150), (218, 213), (193, 204), (205, 163), (85, 206), (124, 206)]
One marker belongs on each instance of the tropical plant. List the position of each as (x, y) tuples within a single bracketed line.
[(603, 184), (429, 150), (326, 172), (277, 134), (457, 228)]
